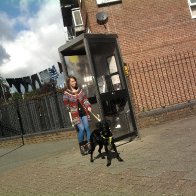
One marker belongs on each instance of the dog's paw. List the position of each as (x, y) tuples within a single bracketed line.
[(92, 160), (108, 163), (120, 159)]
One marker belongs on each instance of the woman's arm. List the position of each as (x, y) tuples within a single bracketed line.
[(66, 100), (86, 102)]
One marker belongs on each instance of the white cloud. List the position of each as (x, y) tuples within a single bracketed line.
[(6, 27), (24, 5), (35, 49)]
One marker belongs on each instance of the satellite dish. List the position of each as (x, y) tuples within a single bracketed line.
[(102, 18)]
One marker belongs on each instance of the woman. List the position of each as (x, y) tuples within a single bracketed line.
[(79, 107)]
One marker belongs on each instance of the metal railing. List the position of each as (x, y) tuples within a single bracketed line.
[(8, 131), (34, 116), (165, 81)]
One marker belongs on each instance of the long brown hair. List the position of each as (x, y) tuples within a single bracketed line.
[(68, 82)]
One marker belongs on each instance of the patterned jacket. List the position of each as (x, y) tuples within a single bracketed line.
[(70, 101)]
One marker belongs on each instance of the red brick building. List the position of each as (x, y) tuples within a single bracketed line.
[(157, 41), (146, 29)]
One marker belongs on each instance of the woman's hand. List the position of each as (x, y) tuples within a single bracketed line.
[(89, 109)]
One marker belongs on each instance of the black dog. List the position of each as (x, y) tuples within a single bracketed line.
[(102, 136)]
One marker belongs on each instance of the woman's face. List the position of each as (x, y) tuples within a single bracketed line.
[(72, 83)]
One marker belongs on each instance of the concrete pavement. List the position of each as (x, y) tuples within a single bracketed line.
[(163, 162)]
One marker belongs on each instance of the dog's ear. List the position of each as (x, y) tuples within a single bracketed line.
[(98, 125), (108, 122)]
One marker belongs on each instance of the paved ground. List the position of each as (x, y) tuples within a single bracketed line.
[(163, 162)]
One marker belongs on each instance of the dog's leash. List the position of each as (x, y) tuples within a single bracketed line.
[(98, 119), (71, 119)]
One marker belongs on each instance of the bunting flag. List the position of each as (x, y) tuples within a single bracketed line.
[(45, 76), (53, 73), (10, 81), (35, 79)]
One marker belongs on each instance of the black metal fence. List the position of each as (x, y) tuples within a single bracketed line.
[(156, 83), (164, 81), (43, 114)]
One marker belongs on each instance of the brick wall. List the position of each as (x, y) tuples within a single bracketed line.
[(162, 82), (38, 138), (146, 29), (147, 119)]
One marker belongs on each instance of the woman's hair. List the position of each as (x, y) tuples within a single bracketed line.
[(68, 82)]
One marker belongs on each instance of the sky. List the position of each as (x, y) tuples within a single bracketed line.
[(31, 31)]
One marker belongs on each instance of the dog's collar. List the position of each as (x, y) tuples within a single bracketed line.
[(110, 138)]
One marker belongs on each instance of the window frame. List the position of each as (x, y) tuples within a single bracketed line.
[(105, 2), (73, 16), (193, 16)]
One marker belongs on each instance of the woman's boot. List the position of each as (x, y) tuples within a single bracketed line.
[(88, 146), (82, 149)]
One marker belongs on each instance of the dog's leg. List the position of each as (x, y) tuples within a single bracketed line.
[(99, 150), (91, 153), (115, 150), (108, 156)]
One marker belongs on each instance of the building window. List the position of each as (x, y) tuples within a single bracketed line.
[(77, 18), (102, 2), (77, 21), (192, 7)]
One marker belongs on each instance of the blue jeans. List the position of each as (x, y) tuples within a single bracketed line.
[(82, 127)]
